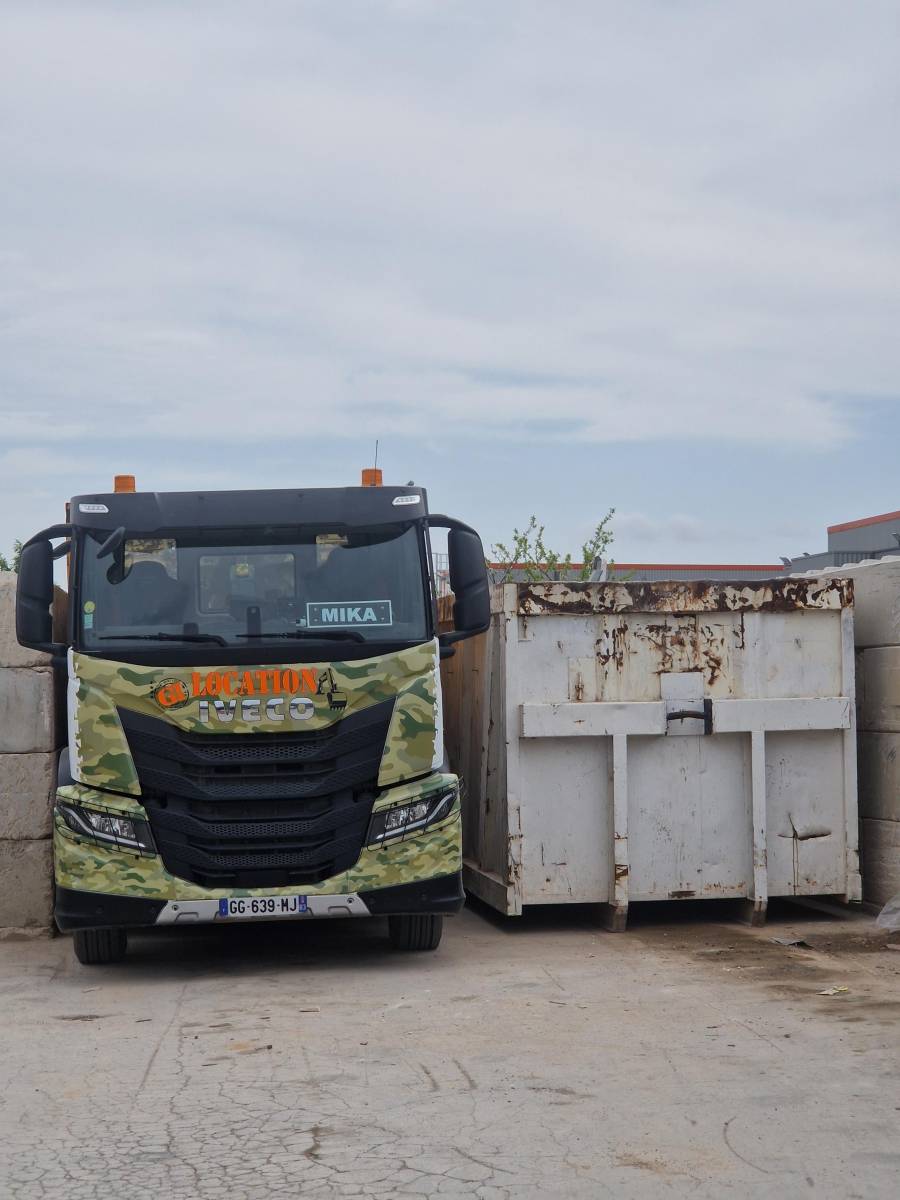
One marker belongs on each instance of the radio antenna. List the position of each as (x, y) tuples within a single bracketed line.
[(376, 453)]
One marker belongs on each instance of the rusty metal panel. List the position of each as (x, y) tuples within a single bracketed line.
[(677, 596), (806, 826), (566, 803), (689, 818), (660, 740)]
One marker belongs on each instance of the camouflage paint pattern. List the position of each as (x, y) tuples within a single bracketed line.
[(97, 687), (101, 759), (85, 866), (119, 806)]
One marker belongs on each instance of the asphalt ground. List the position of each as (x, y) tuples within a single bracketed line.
[(538, 1057)]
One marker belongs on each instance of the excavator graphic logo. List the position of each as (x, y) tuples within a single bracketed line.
[(337, 700)]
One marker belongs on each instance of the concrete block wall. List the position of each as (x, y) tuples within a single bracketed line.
[(28, 742), (876, 585)]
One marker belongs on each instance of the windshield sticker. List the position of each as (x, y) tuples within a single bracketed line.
[(349, 614)]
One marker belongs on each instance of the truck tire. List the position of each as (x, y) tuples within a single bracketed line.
[(416, 931), (94, 946)]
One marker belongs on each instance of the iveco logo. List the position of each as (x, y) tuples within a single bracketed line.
[(398, 500), (276, 708)]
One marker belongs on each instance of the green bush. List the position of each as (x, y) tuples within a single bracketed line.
[(17, 554), (530, 553)]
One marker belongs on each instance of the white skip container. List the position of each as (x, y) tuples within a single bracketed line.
[(658, 741)]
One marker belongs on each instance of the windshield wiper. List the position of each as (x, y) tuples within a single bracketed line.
[(333, 635), (163, 637)]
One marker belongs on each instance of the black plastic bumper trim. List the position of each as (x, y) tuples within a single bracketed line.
[(96, 910), (442, 895)]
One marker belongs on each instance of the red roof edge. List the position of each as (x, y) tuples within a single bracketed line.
[(863, 522), (620, 566), (697, 566), (516, 566)]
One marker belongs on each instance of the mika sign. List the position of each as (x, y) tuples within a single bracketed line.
[(349, 615)]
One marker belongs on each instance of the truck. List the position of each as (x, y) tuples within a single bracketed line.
[(253, 708)]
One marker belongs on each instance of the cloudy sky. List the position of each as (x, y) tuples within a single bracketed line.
[(554, 256)]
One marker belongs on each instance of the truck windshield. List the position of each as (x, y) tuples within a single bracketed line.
[(347, 585)]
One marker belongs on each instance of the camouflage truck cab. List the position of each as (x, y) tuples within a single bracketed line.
[(254, 710)]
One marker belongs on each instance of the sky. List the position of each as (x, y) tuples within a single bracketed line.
[(553, 257)]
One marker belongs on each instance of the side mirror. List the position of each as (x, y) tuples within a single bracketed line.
[(34, 598), (468, 582)]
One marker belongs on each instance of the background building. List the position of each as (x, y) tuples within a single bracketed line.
[(722, 572), (853, 541), (849, 542), (648, 572)]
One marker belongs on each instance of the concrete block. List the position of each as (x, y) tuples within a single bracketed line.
[(878, 756), (876, 588), (60, 615), (26, 885), (27, 789), (11, 653), (859, 679), (27, 710), (879, 693), (880, 859)]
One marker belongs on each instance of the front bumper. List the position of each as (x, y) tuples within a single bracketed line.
[(97, 910), (106, 875), (102, 887)]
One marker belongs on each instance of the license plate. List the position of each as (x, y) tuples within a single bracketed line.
[(247, 907)]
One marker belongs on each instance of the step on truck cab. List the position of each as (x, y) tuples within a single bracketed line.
[(254, 709)]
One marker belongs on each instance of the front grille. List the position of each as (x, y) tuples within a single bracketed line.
[(257, 766), (259, 809)]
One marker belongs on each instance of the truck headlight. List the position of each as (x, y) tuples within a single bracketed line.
[(405, 819), (108, 828)]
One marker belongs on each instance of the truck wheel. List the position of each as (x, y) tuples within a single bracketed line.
[(417, 931), (100, 945)]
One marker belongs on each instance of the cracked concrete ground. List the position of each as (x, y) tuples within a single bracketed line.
[(533, 1058)]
